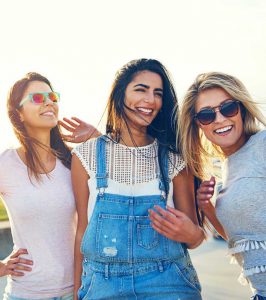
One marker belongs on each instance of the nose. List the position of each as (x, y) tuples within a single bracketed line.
[(219, 117), (149, 97), (48, 102)]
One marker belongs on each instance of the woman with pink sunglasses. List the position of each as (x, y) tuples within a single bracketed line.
[(219, 119), (36, 188)]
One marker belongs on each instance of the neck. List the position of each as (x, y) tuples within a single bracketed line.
[(43, 150), (234, 148), (135, 137)]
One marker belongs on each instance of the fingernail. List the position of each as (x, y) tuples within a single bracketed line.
[(210, 189), (209, 195)]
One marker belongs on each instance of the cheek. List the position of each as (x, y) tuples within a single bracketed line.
[(207, 131)]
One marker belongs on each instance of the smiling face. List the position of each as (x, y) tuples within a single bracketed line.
[(143, 97), (38, 116), (225, 132)]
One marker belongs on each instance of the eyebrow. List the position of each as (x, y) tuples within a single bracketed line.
[(147, 87), (217, 105)]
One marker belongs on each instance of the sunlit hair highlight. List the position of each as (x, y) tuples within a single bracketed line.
[(34, 164), (196, 149)]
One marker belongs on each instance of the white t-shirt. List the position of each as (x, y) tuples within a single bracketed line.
[(43, 220), (132, 171)]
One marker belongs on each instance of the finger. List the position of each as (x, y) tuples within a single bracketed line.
[(159, 220), (169, 215), (204, 204), (21, 267), (77, 120), (176, 212), (167, 234), (70, 122), (25, 261), (19, 252), (204, 197), (163, 223), (207, 183), (15, 273), (212, 180), (205, 189), (71, 129), (68, 137)]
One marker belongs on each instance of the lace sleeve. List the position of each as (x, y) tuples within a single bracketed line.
[(86, 154), (176, 164)]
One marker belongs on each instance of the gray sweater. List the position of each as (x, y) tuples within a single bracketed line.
[(241, 208)]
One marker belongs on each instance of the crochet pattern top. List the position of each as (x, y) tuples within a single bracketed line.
[(128, 165), (132, 171)]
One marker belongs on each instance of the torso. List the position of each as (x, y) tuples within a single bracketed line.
[(42, 219), (241, 207)]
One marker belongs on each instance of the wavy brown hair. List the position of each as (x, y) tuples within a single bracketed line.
[(33, 161)]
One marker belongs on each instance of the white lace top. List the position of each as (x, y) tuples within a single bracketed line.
[(131, 171)]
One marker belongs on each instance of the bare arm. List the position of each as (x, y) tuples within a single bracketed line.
[(81, 193), (180, 224), (204, 195)]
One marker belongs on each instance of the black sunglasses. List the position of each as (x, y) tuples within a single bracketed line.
[(228, 109)]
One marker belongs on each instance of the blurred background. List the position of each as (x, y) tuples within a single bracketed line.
[(79, 45)]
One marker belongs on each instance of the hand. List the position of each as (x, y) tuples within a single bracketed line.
[(80, 131), (175, 225), (204, 194), (14, 264)]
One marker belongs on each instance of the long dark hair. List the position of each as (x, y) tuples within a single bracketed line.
[(163, 127), (58, 147)]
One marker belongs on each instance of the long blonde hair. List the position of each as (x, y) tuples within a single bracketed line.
[(195, 148)]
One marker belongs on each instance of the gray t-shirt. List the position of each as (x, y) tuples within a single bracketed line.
[(241, 208)]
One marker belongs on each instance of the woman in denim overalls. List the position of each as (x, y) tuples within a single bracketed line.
[(127, 174)]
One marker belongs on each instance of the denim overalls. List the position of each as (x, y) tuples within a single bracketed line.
[(124, 257)]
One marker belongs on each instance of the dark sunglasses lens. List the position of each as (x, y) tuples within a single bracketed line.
[(206, 116), (38, 98), (229, 109), (54, 97)]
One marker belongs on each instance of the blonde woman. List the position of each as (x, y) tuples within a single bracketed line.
[(219, 118)]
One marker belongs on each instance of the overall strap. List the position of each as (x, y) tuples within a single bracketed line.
[(162, 187), (101, 174)]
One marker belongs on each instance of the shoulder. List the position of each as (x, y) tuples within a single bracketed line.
[(258, 141), (259, 136), (176, 164), (84, 148), (8, 162), (7, 155), (86, 153)]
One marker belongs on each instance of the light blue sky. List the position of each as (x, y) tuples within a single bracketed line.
[(79, 45)]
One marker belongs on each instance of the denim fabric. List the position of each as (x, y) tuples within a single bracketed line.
[(258, 297), (124, 258), (66, 297)]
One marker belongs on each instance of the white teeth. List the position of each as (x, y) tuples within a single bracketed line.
[(224, 129), (48, 113), (146, 110)]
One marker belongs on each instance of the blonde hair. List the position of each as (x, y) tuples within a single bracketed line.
[(195, 148)]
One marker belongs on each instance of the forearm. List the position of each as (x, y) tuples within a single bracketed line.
[(78, 259)]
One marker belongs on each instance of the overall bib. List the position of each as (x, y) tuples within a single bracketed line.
[(124, 257)]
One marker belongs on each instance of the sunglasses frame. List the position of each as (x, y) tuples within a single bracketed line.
[(219, 108), (29, 97)]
